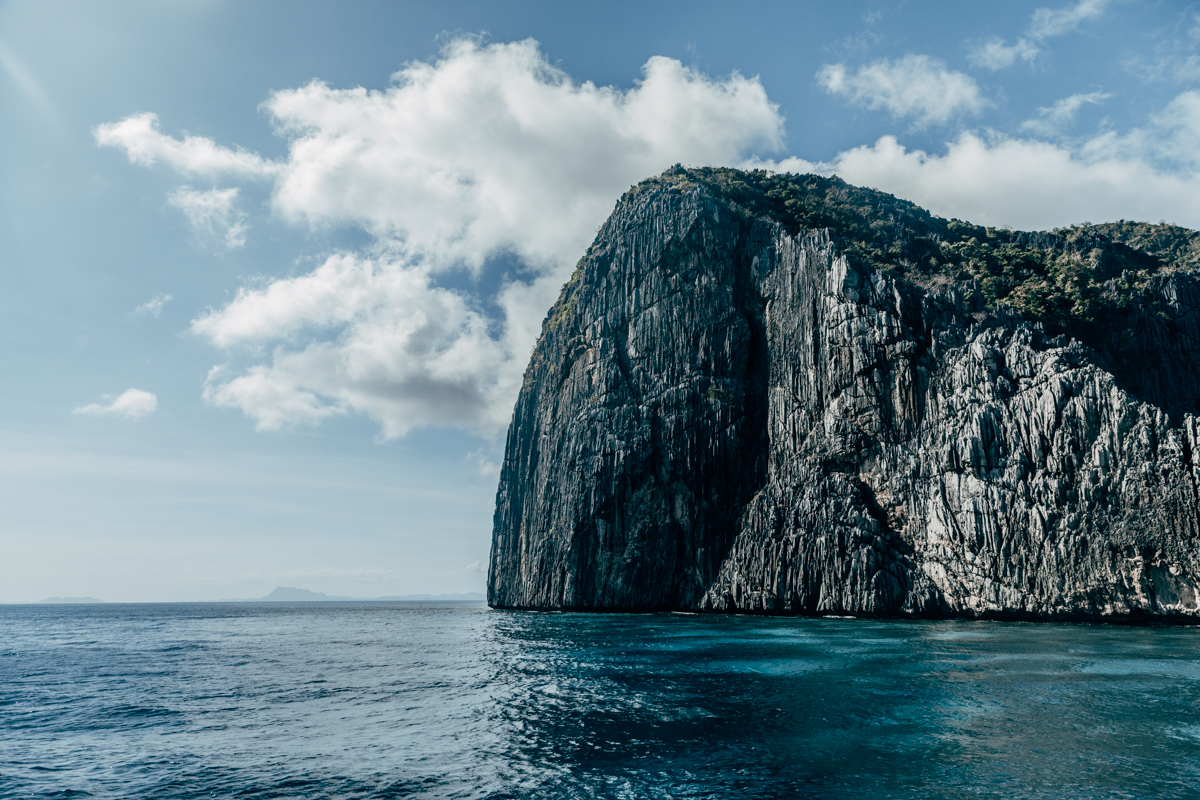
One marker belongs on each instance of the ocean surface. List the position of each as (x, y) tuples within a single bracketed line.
[(390, 700)]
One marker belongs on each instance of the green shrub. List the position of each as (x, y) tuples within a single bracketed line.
[(1069, 279)]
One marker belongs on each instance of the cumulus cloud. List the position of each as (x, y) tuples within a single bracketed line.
[(914, 86), (373, 336), (1051, 120), (488, 151), (1148, 173), (212, 214), (154, 306), (995, 54), (491, 149), (131, 404), (1023, 183)]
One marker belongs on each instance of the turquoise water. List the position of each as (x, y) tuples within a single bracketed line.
[(379, 700)]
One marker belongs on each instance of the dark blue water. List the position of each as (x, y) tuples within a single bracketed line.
[(377, 700)]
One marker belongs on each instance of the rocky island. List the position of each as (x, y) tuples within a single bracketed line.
[(783, 394)]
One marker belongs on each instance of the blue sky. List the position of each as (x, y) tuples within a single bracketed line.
[(271, 270)]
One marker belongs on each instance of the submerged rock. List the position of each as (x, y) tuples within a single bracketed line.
[(727, 414)]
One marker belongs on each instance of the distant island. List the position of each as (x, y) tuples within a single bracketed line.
[(71, 600), (292, 594)]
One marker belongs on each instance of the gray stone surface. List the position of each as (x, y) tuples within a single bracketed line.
[(719, 416)]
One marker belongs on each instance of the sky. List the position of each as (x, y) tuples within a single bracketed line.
[(271, 271)]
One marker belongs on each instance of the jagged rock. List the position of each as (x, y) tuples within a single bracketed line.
[(723, 416)]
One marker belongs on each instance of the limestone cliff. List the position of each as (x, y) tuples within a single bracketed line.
[(733, 409)]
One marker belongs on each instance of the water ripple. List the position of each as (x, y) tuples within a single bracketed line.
[(376, 700)]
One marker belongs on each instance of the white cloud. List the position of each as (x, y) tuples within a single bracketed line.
[(1049, 22), (1181, 68), (914, 86), (487, 151), (154, 306), (1171, 140), (373, 336), (194, 155), (476, 566), (994, 54), (1023, 183), (1051, 120), (131, 404), (212, 214), (492, 149), (483, 464), (1148, 173), (1175, 133), (1174, 56)]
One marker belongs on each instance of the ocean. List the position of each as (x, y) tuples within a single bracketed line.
[(393, 700)]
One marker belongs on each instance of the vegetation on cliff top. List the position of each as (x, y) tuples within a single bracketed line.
[(1071, 279), (1174, 245)]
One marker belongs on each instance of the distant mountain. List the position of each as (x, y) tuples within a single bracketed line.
[(71, 600), (290, 594)]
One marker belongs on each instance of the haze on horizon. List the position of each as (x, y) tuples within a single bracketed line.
[(273, 270)]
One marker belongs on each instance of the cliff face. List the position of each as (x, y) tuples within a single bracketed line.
[(721, 415)]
